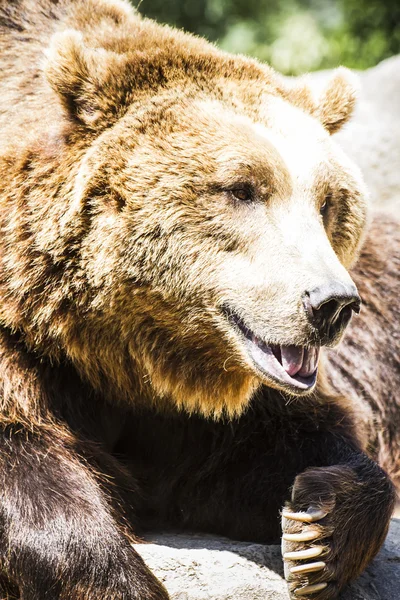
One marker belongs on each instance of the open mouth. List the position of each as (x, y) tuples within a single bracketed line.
[(293, 367)]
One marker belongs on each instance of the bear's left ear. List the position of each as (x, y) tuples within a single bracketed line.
[(82, 77), (336, 103)]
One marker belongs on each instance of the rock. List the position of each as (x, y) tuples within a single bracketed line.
[(194, 567)]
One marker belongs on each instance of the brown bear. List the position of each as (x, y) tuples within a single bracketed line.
[(177, 227)]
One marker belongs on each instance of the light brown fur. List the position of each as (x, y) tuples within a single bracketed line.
[(159, 127), (151, 186)]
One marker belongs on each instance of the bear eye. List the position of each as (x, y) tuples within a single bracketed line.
[(243, 193)]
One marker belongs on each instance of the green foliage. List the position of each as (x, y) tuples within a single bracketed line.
[(293, 35)]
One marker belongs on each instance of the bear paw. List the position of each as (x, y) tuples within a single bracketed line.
[(333, 526)]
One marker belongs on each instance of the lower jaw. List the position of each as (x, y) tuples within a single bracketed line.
[(270, 369)]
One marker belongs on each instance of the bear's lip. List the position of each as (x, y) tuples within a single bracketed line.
[(293, 367)]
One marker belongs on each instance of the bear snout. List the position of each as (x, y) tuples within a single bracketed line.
[(329, 308)]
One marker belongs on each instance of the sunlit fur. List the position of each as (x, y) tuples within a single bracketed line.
[(122, 245), (120, 241)]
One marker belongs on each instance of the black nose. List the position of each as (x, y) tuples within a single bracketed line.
[(329, 308)]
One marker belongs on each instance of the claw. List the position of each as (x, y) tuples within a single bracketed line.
[(304, 554), (310, 516), (310, 589), (308, 568), (305, 536)]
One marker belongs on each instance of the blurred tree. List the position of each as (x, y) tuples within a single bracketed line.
[(371, 31), (293, 35)]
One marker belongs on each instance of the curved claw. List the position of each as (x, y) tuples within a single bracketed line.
[(304, 554), (309, 517), (305, 536), (310, 589), (308, 568)]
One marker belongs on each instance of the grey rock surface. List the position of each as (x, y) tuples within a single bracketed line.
[(194, 567), (206, 567)]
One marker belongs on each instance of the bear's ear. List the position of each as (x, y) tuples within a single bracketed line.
[(336, 102), (81, 75)]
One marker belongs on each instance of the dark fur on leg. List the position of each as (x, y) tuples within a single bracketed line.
[(64, 500), (62, 535)]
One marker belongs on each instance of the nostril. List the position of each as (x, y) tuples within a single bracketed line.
[(341, 320), (326, 315), (329, 307), (343, 315)]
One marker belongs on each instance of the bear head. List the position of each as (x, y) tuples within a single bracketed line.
[(219, 217)]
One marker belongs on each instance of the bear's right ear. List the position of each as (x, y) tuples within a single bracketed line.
[(80, 76)]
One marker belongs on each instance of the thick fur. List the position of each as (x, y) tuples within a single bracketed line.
[(127, 397), (365, 367)]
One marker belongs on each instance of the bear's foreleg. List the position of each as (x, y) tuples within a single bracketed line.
[(232, 479), (61, 535), (334, 525)]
